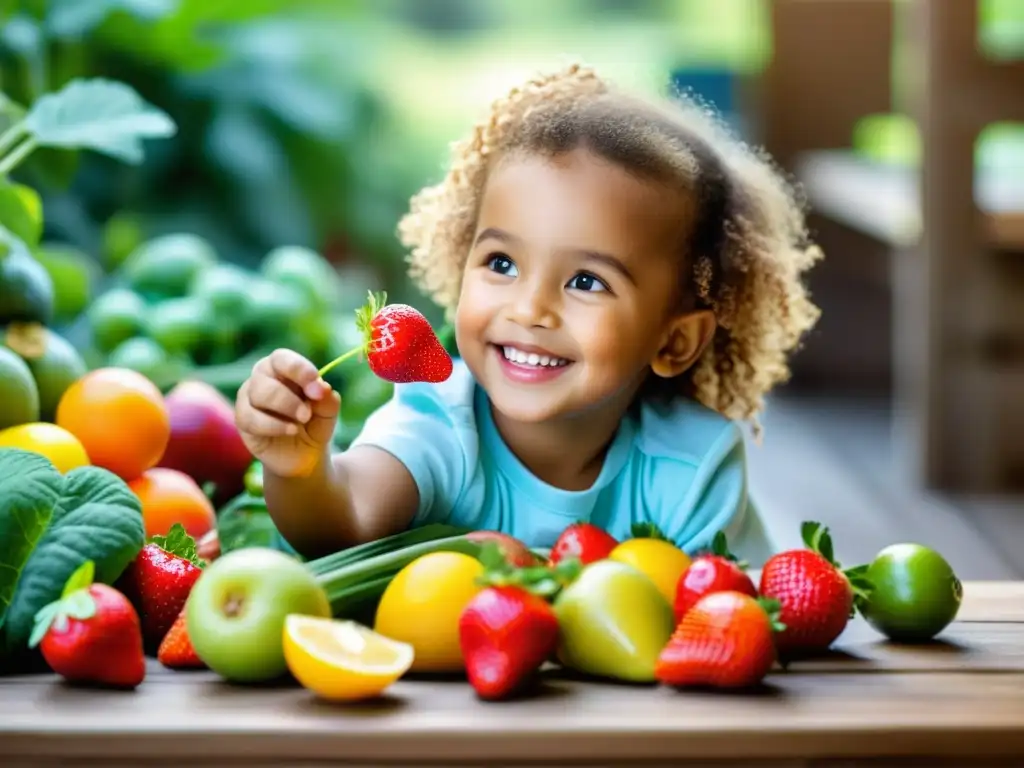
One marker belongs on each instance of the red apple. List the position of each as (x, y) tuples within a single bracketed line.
[(515, 551), (205, 443)]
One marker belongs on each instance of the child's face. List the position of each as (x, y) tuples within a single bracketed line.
[(570, 292)]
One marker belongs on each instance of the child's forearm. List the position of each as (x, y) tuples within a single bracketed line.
[(315, 514)]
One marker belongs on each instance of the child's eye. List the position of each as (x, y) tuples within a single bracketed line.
[(501, 264), (587, 282)]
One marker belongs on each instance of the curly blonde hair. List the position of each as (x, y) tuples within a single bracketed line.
[(747, 249)]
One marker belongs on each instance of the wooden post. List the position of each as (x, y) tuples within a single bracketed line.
[(962, 406)]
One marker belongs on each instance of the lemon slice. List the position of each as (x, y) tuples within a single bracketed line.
[(341, 659)]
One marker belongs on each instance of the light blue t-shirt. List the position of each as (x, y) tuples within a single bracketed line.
[(682, 468)]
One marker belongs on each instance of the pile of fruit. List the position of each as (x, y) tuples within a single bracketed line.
[(483, 606)]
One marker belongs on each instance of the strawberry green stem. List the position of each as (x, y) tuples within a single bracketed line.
[(364, 319), (340, 359)]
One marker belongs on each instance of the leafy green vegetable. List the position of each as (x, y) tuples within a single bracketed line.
[(87, 514), (98, 114), (245, 522), (68, 18), (29, 486)]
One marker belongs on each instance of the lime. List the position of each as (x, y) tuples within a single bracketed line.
[(74, 273), (305, 270), (55, 364), (26, 290), (139, 354), (166, 266), (182, 326), (914, 593), (115, 316), (19, 397)]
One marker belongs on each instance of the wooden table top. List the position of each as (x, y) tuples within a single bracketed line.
[(960, 700)]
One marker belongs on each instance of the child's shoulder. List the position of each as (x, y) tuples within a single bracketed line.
[(684, 430)]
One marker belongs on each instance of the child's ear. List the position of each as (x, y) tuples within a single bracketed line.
[(686, 338)]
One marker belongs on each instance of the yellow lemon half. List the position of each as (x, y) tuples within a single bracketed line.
[(55, 443), (422, 605), (661, 561), (342, 660)]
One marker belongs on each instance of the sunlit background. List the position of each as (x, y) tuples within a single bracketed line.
[(311, 122)]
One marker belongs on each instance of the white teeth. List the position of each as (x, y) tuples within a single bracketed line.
[(532, 358)]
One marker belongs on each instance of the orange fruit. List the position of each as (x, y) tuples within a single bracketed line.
[(120, 418), (168, 497)]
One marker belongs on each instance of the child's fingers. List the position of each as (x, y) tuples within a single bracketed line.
[(261, 424), (273, 397), (325, 418), (327, 407), (292, 366)]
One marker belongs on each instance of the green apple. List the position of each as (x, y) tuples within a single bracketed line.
[(614, 622), (236, 611)]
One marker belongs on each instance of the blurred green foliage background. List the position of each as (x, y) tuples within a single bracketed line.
[(311, 122)]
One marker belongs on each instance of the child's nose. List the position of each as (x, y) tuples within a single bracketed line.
[(533, 306)]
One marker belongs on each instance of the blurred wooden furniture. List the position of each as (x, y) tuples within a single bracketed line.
[(956, 702), (954, 254), (960, 311), (830, 66)]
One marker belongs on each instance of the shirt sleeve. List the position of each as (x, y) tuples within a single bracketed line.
[(423, 432), (717, 500)]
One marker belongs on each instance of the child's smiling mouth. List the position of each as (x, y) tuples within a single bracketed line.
[(529, 364)]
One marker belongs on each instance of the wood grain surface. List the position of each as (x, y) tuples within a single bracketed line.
[(959, 701)]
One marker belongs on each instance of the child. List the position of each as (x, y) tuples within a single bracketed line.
[(624, 282)]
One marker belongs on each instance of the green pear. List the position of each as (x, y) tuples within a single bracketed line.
[(614, 623)]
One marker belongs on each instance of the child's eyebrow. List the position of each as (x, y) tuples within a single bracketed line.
[(493, 233), (608, 260)]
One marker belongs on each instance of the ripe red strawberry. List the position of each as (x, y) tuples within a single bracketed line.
[(176, 651), (718, 571), (399, 343), (91, 634), (509, 629), (158, 582), (724, 641), (584, 541), (815, 596)]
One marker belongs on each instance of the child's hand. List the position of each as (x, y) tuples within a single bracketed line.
[(286, 413)]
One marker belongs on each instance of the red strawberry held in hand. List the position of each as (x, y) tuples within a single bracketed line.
[(158, 582), (400, 344), (816, 597), (91, 634), (509, 629), (718, 571), (176, 651), (584, 541), (724, 641)]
